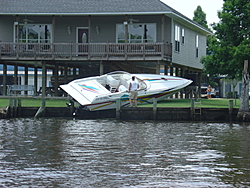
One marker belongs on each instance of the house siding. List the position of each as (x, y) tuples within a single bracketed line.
[(187, 54), (107, 26)]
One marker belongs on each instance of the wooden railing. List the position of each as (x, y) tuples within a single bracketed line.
[(74, 51)]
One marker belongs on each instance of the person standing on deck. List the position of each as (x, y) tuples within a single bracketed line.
[(133, 86)]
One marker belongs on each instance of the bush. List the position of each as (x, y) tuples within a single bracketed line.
[(232, 94)]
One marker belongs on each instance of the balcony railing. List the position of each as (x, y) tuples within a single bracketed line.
[(90, 51)]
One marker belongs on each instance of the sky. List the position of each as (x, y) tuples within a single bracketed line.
[(187, 8)]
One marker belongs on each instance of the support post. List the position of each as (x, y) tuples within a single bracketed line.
[(4, 79), (40, 111), (56, 84), (230, 109), (25, 78), (11, 107), (72, 107), (101, 68), (118, 109), (19, 107), (192, 109), (44, 79), (154, 108), (35, 80)]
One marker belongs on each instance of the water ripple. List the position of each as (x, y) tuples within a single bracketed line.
[(108, 153)]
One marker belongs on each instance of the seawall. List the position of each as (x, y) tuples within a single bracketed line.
[(140, 113)]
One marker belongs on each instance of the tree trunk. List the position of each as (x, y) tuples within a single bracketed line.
[(243, 113)]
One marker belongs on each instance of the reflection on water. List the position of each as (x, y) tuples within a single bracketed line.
[(110, 153)]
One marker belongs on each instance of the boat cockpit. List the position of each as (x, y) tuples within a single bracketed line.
[(119, 82)]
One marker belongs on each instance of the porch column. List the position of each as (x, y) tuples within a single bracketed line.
[(89, 33), (162, 34), (15, 74), (65, 74), (176, 74), (53, 35), (74, 72), (35, 80), (126, 36), (44, 79), (4, 79), (25, 78), (181, 75), (53, 28), (56, 84), (171, 74)]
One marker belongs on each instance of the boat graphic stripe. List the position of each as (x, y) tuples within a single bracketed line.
[(165, 79), (89, 88), (142, 99)]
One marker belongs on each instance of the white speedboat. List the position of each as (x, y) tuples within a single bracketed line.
[(101, 92)]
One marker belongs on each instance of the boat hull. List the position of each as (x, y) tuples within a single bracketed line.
[(92, 94)]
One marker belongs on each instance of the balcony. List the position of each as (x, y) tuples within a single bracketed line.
[(85, 52)]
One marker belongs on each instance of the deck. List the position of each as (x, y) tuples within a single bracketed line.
[(88, 51)]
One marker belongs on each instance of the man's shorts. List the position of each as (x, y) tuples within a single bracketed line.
[(133, 94)]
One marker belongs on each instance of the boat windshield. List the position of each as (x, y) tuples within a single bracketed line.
[(119, 81)]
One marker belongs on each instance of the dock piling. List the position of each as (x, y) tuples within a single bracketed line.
[(154, 108), (118, 109)]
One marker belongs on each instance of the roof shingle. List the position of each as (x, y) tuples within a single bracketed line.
[(81, 6)]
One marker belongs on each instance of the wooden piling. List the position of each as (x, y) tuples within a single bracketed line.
[(118, 109), (230, 109), (154, 108), (192, 109)]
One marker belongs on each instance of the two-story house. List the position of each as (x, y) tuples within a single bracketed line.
[(90, 37)]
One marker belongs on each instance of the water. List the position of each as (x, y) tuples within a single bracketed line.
[(110, 153)]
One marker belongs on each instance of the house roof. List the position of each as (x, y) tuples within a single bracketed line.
[(81, 6), (92, 7)]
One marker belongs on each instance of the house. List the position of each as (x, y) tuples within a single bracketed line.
[(88, 37)]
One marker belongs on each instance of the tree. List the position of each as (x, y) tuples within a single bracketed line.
[(200, 17), (231, 44)]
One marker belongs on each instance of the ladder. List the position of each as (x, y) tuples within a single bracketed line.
[(197, 108)]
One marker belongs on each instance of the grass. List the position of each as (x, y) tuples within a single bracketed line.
[(37, 102), (205, 103)]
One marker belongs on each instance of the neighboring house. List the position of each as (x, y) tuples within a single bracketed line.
[(95, 37)]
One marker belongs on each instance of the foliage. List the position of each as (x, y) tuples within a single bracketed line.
[(232, 94), (230, 45), (200, 17)]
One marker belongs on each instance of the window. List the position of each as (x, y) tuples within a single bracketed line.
[(137, 33), (29, 33), (182, 36), (177, 38), (197, 45)]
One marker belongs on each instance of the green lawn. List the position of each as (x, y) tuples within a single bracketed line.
[(37, 102), (211, 103)]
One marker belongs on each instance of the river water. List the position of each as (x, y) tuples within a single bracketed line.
[(109, 153)]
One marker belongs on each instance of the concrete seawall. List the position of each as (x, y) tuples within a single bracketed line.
[(140, 113)]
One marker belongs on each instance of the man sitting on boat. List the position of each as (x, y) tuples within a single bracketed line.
[(133, 86)]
